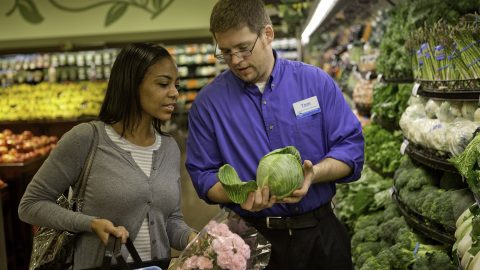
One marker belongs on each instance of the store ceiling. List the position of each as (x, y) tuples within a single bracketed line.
[(290, 16)]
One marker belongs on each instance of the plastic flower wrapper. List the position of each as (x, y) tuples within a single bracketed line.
[(226, 242)]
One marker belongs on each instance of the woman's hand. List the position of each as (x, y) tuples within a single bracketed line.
[(103, 228)]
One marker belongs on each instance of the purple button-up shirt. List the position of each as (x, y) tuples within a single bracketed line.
[(233, 122)]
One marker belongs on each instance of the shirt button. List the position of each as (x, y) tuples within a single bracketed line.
[(149, 202), (154, 241), (151, 222), (270, 127), (264, 102)]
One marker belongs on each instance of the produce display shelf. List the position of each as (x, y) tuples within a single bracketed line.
[(457, 90), (397, 80), (460, 95), (430, 158), (13, 170), (451, 85), (426, 227), (49, 121)]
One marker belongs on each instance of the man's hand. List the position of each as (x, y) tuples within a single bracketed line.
[(298, 194), (103, 228), (259, 200)]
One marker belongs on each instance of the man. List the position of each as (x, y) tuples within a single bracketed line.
[(262, 103)]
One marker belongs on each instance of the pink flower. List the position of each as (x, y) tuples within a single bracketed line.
[(197, 262), (218, 229), (219, 248)]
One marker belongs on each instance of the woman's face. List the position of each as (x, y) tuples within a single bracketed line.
[(158, 90)]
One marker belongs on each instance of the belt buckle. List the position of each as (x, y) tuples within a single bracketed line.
[(268, 221)]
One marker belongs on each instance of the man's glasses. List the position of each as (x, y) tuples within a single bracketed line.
[(224, 56)]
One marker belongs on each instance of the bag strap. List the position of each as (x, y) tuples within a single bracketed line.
[(79, 192), (113, 249)]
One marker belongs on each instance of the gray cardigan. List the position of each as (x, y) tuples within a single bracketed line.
[(117, 190)]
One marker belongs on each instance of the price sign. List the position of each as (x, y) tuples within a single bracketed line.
[(415, 88), (403, 147)]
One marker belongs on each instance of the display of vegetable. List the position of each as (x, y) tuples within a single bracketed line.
[(467, 163), (446, 52), (467, 237), (390, 101), (280, 170), (394, 61), (383, 240), (382, 148), (418, 189), (366, 195)]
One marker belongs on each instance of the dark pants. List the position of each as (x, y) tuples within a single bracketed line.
[(323, 247)]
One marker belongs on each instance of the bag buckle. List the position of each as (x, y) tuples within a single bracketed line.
[(268, 221)]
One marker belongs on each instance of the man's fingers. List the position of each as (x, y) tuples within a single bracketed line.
[(248, 204)]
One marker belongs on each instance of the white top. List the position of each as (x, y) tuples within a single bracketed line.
[(143, 157)]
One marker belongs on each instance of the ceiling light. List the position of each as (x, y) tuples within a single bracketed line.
[(321, 11)]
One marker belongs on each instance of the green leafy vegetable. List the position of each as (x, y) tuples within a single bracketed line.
[(281, 170)]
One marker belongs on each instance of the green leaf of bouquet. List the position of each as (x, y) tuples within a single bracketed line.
[(236, 189)]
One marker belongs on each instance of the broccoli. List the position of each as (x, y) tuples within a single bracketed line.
[(369, 220), (419, 177), (368, 234), (441, 210), (380, 262), (388, 230), (406, 238), (365, 250), (432, 259), (403, 256)]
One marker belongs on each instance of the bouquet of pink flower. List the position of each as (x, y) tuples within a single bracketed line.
[(226, 242)]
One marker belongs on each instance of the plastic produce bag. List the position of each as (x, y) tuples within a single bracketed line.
[(468, 110), (434, 135), (449, 111), (431, 108), (226, 242), (459, 134)]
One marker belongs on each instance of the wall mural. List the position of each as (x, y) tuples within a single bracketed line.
[(29, 11)]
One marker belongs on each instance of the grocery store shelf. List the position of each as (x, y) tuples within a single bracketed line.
[(426, 227), (461, 90), (460, 95), (16, 170), (430, 158)]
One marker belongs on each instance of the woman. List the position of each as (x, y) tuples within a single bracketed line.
[(133, 189)]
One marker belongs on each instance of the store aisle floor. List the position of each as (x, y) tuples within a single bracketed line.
[(196, 212)]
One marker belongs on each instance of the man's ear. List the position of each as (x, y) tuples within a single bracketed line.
[(269, 33)]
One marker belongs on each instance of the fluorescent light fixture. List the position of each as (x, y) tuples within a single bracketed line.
[(321, 11)]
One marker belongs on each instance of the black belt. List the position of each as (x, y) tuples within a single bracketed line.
[(306, 220)]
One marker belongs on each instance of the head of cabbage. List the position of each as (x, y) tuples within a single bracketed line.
[(281, 170)]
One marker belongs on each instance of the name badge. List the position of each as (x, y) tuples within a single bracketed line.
[(306, 107)]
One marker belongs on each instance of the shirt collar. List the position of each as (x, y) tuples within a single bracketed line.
[(271, 79)]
